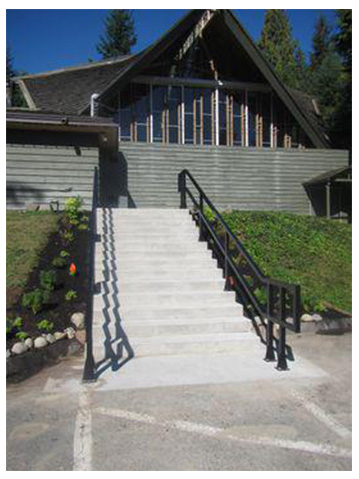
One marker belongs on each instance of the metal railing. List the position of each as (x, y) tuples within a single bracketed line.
[(272, 301), (89, 374)]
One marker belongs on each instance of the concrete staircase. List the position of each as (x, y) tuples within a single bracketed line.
[(161, 291)]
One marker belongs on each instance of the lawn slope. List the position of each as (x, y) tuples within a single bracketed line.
[(310, 251)]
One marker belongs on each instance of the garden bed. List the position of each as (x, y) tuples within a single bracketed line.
[(62, 293)]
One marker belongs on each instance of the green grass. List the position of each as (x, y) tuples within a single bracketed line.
[(26, 235), (310, 251)]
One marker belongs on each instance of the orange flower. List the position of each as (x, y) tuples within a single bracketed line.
[(73, 269)]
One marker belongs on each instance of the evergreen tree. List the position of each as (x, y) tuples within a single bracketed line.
[(119, 34), (280, 48), (321, 42), (342, 119), (17, 98)]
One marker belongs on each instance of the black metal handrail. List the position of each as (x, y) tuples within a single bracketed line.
[(89, 374), (282, 303)]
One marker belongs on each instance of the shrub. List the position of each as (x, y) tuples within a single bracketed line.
[(67, 236), (45, 325), (73, 210), (59, 262), (83, 227), (70, 295), (64, 254), (35, 300), (18, 322), (48, 280), (21, 335)]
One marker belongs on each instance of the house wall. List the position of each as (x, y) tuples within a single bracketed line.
[(243, 178), (41, 173)]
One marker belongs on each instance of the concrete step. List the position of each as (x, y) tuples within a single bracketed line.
[(171, 299), (143, 313), (169, 327), (187, 344), (162, 247), (158, 273), (169, 258), (190, 286)]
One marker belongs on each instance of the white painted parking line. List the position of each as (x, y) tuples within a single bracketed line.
[(322, 416), (220, 433), (83, 434)]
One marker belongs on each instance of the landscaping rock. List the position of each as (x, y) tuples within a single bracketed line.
[(8, 353), (317, 317), (29, 343), (58, 335), (70, 333), (50, 338), (40, 342), (19, 348), (78, 319), (306, 318)]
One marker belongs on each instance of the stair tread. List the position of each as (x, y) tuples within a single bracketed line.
[(193, 338)]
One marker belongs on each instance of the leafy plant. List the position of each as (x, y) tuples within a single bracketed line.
[(83, 227), (73, 210), (70, 295), (17, 322), (21, 335), (35, 300), (68, 236), (48, 280), (64, 254), (59, 262), (45, 325), (9, 325)]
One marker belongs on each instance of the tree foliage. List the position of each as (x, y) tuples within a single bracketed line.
[(281, 49), (17, 98), (328, 75), (119, 34)]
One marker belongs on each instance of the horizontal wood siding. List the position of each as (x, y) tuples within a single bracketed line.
[(40, 174), (243, 178)]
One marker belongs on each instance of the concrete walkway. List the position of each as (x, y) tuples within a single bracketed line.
[(244, 416)]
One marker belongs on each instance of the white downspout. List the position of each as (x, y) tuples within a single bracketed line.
[(94, 104)]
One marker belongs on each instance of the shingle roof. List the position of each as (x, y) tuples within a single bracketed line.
[(69, 90)]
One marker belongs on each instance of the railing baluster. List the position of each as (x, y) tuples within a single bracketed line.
[(227, 286), (269, 329), (201, 235), (282, 360)]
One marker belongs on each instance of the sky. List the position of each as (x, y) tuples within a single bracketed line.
[(42, 40)]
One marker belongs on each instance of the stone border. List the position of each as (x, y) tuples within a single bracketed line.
[(24, 365)]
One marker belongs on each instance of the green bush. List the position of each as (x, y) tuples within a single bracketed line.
[(21, 335), (48, 280), (64, 254), (35, 300), (59, 262), (68, 236), (45, 325), (73, 210), (70, 295)]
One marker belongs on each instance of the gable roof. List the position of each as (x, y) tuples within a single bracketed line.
[(69, 90)]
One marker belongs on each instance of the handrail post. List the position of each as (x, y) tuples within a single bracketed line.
[(269, 329), (226, 266), (282, 360), (200, 216), (182, 189), (89, 374)]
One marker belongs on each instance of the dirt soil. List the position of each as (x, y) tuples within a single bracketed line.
[(58, 310)]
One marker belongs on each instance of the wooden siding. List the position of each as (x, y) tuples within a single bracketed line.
[(40, 174), (243, 178)]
